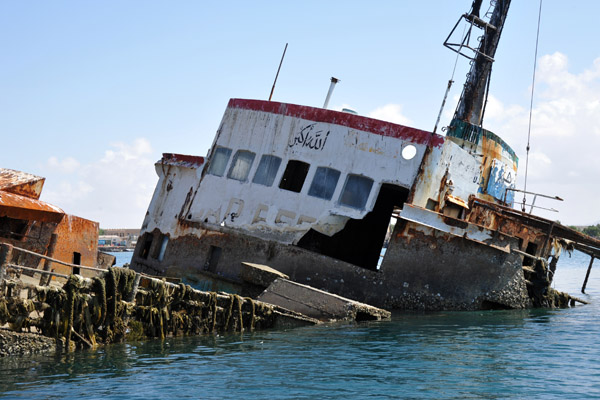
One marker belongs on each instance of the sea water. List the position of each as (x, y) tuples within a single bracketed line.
[(121, 257), (533, 354)]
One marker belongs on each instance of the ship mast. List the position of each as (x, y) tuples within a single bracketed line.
[(471, 105)]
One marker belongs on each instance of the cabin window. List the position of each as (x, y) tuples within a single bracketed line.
[(324, 183), (164, 240), (294, 176), (356, 191), (214, 254), (240, 167), (147, 245), (219, 161), (267, 169), (12, 228)]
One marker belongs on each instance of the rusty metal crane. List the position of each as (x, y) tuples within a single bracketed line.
[(471, 106)]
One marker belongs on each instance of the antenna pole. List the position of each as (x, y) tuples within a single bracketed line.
[(331, 86), (277, 75)]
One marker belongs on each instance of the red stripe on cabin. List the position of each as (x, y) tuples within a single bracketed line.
[(173, 158), (358, 122)]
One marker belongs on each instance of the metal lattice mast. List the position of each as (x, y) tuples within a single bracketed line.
[(471, 104)]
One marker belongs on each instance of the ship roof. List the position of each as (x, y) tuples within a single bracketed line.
[(21, 207), (359, 122), (182, 160), (21, 183)]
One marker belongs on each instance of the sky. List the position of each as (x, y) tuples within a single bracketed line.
[(92, 93)]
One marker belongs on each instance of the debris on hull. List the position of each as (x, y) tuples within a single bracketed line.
[(119, 304)]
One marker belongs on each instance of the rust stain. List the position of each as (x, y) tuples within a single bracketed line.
[(76, 235), (457, 200), (21, 183), (454, 222), (21, 207)]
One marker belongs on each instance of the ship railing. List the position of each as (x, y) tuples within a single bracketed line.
[(535, 196), (6, 251)]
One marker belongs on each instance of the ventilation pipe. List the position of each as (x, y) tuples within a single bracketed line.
[(333, 82)]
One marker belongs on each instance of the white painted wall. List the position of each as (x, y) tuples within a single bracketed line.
[(271, 212), (463, 168)]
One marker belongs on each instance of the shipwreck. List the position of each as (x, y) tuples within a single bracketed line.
[(37, 227), (374, 211), (55, 283)]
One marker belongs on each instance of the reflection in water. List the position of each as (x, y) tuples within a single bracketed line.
[(486, 354)]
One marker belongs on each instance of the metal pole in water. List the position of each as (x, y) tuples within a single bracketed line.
[(587, 275)]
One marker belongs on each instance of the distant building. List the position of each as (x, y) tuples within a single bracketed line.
[(111, 241), (119, 238)]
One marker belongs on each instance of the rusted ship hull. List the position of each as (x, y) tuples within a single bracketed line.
[(425, 271), (424, 268), (317, 194), (450, 246)]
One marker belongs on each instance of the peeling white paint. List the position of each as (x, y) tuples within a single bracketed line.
[(270, 211)]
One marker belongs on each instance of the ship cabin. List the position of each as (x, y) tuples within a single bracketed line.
[(309, 180)]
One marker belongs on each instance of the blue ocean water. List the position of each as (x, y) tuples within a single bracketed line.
[(549, 354), (121, 257)]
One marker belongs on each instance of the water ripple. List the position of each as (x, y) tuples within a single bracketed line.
[(462, 355)]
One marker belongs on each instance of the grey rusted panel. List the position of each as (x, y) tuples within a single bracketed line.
[(261, 275), (437, 270), (431, 272), (318, 304)]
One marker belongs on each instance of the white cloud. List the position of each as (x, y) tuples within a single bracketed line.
[(114, 190), (67, 165), (390, 113), (565, 136)]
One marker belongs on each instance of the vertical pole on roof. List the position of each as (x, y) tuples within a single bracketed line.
[(280, 62), (587, 275), (331, 87)]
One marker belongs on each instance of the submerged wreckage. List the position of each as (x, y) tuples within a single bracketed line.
[(312, 193), (54, 282)]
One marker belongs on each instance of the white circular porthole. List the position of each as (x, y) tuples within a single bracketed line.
[(409, 152)]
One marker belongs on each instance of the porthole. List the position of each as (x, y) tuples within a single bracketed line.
[(409, 152)]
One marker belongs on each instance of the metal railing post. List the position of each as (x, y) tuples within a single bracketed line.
[(5, 256)]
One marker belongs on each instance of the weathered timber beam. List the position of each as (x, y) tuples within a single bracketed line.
[(41, 271), (58, 261), (579, 300)]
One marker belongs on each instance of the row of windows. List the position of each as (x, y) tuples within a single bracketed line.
[(354, 194)]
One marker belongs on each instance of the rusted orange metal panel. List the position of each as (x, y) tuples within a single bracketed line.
[(76, 235), (21, 207), (21, 183)]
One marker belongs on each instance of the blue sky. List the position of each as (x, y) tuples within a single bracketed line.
[(93, 92)]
